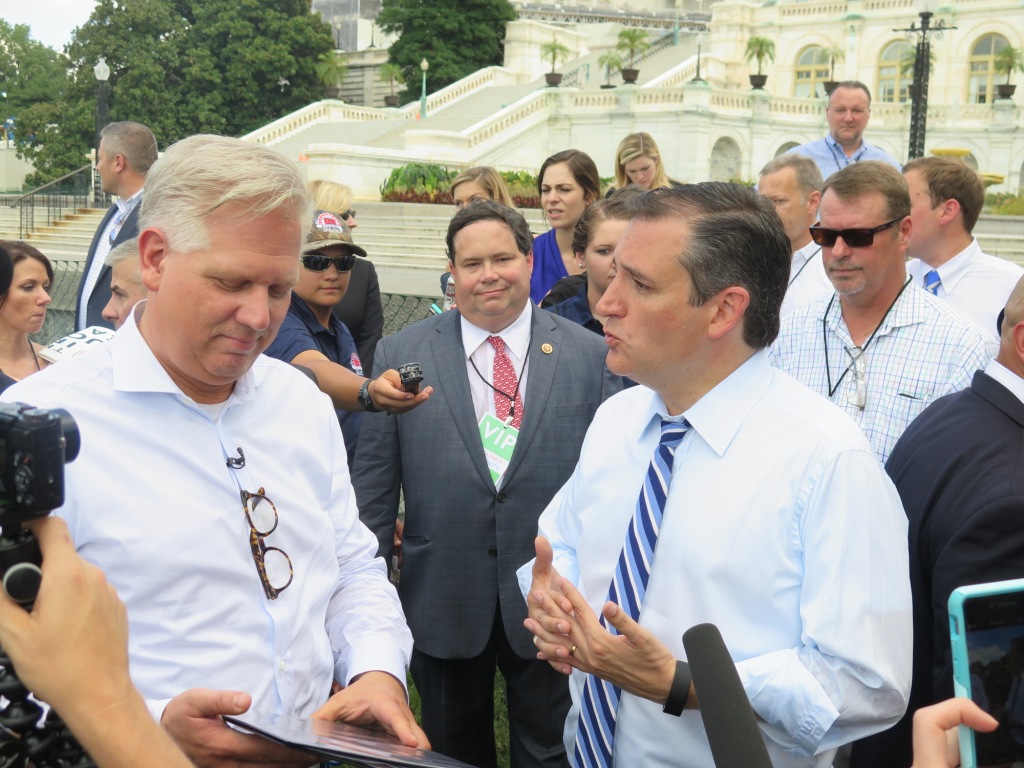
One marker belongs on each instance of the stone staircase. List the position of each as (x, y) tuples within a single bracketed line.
[(67, 239)]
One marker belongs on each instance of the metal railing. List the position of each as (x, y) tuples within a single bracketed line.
[(72, 190)]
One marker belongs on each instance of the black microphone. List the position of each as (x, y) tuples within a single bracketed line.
[(238, 463), (735, 739)]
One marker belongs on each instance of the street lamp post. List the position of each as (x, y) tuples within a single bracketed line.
[(424, 65), (102, 73), (700, 42), (919, 88), (675, 27)]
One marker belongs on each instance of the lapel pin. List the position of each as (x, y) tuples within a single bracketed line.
[(547, 349)]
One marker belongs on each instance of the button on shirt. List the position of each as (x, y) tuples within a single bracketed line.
[(922, 351), (973, 283), (782, 529), (302, 332), (151, 501), (807, 279), (831, 157)]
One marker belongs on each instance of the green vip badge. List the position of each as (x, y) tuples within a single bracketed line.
[(499, 440)]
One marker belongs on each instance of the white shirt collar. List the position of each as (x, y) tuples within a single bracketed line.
[(1006, 377), (125, 204), (516, 335), (951, 272)]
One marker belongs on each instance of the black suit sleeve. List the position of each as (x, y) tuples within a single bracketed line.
[(377, 471), (988, 547), (372, 327)]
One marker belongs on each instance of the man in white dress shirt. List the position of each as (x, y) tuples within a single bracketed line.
[(779, 525), (212, 487), (793, 184), (946, 197)]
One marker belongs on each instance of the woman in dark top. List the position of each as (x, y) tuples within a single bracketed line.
[(361, 309)]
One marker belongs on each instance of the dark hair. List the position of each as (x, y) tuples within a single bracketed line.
[(582, 168), (856, 85), (859, 179), (950, 178), (489, 210), (614, 208), (735, 239), (133, 141), (19, 251)]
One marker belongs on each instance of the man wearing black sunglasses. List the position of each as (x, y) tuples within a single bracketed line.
[(312, 335), (879, 347)]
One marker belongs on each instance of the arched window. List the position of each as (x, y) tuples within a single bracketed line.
[(980, 89), (786, 147), (895, 72), (725, 160), (811, 72)]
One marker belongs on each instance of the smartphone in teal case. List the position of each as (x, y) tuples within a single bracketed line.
[(986, 626)]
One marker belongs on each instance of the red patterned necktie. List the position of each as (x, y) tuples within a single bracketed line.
[(505, 383)]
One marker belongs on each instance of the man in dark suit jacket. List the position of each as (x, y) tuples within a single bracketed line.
[(468, 525), (959, 469), (126, 152)]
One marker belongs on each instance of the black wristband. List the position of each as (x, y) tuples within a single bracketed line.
[(680, 690)]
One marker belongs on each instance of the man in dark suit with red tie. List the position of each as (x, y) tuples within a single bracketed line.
[(514, 391), (126, 152), (959, 469)]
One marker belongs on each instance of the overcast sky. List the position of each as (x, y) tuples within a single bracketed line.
[(52, 21)]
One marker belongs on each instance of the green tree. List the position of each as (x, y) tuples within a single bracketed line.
[(554, 52), (632, 42), (457, 37), (30, 72), (761, 49), (1009, 60), (181, 67)]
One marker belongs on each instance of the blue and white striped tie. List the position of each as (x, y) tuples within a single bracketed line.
[(932, 282), (595, 732)]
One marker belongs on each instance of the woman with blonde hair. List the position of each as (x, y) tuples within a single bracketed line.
[(360, 309), (23, 308), (480, 183), (638, 161)]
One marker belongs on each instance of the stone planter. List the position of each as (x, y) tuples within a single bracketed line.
[(829, 86), (390, 101), (629, 75), (553, 79), (1005, 91), (606, 86), (757, 81)]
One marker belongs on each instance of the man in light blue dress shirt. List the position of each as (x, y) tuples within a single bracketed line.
[(848, 112), (779, 525)]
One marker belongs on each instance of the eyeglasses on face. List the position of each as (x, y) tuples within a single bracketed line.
[(317, 262), (349, 214), (273, 564), (859, 237)]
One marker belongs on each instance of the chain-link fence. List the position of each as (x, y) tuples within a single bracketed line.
[(399, 310)]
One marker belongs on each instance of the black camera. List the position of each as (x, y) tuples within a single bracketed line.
[(35, 443), (411, 375)]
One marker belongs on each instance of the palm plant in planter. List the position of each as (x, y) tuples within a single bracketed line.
[(835, 54), (555, 52), (611, 62), (331, 68), (392, 73), (1007, 61), (632, 42), (760, 49)]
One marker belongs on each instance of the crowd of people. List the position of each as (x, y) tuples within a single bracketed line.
[(743, 407)]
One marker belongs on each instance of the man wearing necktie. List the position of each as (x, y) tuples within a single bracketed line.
[(946, 196), (126, 152), (720, 490), (514, 391)]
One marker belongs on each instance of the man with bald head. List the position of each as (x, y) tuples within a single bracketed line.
[(959, 469)]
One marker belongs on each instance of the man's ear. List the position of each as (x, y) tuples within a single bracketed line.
[(153, 252), (950, 209), (730, 307)]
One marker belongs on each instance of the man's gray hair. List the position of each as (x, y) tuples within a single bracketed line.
[(806, 171), (133, 141), (121, 251), (199, 175)]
